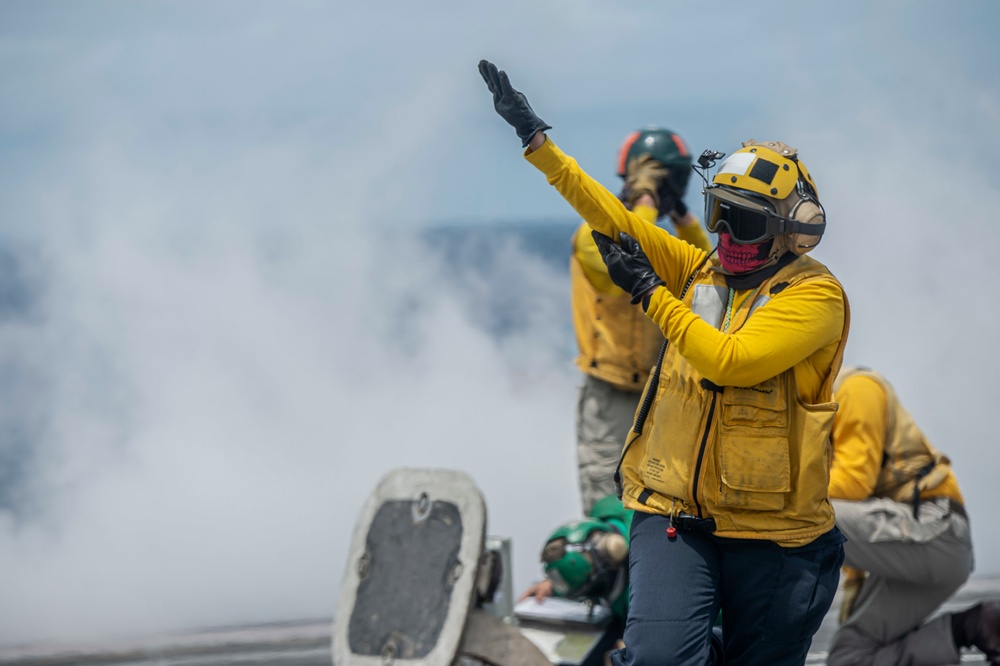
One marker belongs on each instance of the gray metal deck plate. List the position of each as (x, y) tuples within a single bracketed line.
[(409, 580)]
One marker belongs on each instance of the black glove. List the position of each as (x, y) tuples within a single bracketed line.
[(510, 104), (667, 200), (627, 264), (680, 208)]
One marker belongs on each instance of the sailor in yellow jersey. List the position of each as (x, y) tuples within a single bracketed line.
[(728, 462), (898, 503), (617, 343)]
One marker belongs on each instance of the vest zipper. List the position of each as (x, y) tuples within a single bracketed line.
[(654, 382), (715, 389)]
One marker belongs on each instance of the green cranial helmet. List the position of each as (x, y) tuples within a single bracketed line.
[(663, 145), (583, 558)]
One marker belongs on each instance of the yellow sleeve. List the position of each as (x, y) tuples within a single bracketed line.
[(858, 438), (586, 252), (783, 332), (672, 259), (647, 213), (694, 234)]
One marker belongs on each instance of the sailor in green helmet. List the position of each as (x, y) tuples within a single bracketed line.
[(587, 560)]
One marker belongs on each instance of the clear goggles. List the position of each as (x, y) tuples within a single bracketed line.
[(749, 217)]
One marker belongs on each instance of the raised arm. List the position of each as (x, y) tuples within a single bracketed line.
[(672, 259)]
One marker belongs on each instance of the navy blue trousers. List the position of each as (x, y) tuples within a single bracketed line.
[(773, 599)]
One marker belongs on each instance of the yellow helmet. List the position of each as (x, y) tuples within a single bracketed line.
[(762, 191)]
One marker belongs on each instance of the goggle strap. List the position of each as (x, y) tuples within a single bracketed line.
[(806, 228)]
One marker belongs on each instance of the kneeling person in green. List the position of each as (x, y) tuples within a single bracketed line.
[(588, 559)]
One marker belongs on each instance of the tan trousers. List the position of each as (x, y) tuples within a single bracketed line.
[(913, 566), (603, 418)]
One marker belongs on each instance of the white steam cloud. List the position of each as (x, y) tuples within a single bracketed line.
[(219, 407), (232, 332)]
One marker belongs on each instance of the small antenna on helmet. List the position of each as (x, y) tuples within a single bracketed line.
[(706, 161)]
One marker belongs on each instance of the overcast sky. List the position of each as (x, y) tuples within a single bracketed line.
[(231, 333)]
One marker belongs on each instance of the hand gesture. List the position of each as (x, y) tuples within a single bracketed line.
[(627, 264), (647, 175), (644, 175), (510, 104)]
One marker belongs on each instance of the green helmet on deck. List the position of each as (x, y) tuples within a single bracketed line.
[(666, 147), (586, 559)]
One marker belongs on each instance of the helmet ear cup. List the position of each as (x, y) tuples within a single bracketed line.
[(806, 211), (613, 549)]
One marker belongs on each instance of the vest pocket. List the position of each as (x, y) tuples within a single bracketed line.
[(761, 407), (756, 472), (753, 439)]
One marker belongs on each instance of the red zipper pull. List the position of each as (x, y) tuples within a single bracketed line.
[(671, 532)]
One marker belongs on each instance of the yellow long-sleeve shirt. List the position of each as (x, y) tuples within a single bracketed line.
[(801, 327), (859, 439)]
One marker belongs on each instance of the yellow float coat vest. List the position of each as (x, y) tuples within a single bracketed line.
[(910, 464), (757, 458), (618, 343)]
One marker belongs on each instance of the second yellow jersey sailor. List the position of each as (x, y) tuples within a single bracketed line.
[(617, 342)]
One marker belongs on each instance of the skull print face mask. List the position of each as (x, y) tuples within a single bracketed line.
[(743, 257)]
